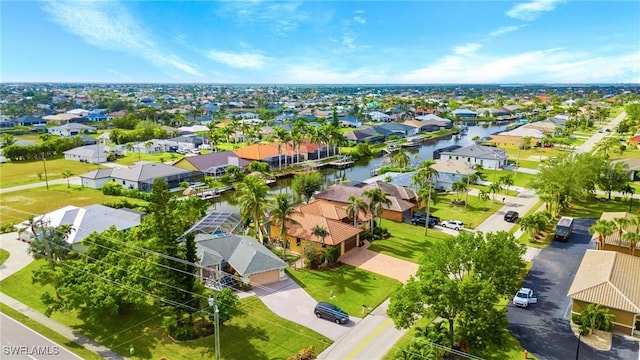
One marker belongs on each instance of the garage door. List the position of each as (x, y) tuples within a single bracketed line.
[(349, 244)]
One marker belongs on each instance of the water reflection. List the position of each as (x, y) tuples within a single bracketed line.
[(362, 168)]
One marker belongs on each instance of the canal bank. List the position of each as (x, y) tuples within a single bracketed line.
[(361, 169)]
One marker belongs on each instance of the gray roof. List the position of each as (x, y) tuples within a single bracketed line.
[(479, 152), (89, 151), (216, 159), (245, 254), (147, 171)]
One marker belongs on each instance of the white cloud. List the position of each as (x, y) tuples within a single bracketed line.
[(466, 49), (505, 30), (281, 18), (531, 10), (306, 72), (238, 60), (109, 26), (553, 65), (359, 20)]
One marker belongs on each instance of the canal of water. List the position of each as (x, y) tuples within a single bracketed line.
[(362, 169)]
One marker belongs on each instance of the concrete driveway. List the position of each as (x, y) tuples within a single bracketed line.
[(288, 300), (381, 264), (18, 254), (543, 329)]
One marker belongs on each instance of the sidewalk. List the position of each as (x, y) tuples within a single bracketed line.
[(18, 259)]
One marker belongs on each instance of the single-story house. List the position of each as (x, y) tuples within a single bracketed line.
[(334, 211), (213, 164), (610, 279), (350, 121), (97, 117), (450, 171), (633, 166), (85, 220), (390, 129), (70, 129), (378, 116), (63, 118), (368, 135), (615, 241), (300, 234), (140, 177), (228, 253), (486, 156), (464, 113), (403, 200), (436, 120), (271, 153), (30, 120), (93, 154)]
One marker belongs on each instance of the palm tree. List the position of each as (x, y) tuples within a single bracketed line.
[(296, 141), (321, 233), (281, 210), (401, 159), (318, 136), (506, 180), (425, 174), (459, 186), (49, 242), (621, 223), (607, 146), (595, 317), (494, 188), (483, 195), (603, 228), (377, 198), (633, 239), (253, 197), (67, 174), (282, 136), (356, 206)]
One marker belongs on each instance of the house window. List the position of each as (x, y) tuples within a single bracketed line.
[(297, 241)]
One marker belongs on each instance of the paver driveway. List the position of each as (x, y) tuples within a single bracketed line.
[(382, 264), (543, 329)]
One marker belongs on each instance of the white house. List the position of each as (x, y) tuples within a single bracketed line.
[(71, 129), (94, 154), (486, 156)]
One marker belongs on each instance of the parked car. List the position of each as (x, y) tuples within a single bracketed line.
[(331, 312), (511, 216), (524, 297), (422, 214), (453, 224), (421, 220)]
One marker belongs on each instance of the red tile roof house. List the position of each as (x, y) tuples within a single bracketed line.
[(403, 200)]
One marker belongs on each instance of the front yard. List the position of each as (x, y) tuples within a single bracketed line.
[(17, 206), (407, 242), (26, 172), (346, 286), (250, 335), (472, 215)]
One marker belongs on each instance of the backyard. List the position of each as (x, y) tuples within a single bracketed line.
[(18, 206), (26, 172), (407, 242), (250, 335), (346, 286)]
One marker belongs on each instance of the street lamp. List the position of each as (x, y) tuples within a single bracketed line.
[(216, 315), (578, 348)]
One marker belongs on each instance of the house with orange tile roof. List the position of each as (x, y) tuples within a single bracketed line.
[(610, 279), (342, 236), (276, 154), (334, 211)]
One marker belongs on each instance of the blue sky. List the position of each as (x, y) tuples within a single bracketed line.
[(335, 42)]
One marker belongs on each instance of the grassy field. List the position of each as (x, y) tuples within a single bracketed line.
[(41, 329), (529, 164), (473, 215), (407, 242), (4, 255), (17, 206), (133, 158), (256, 333), (26, 172), (346, 286), (593, 208)]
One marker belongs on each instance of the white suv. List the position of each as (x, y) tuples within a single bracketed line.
[(453, 224), (524, 297)]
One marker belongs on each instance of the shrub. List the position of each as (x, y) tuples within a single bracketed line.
[(185, 333), (112, 188), (170, 325), (7, 228), (304, 354)]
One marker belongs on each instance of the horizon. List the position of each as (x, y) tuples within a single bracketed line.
[(419, 43)]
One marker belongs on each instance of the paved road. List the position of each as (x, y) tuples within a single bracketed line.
[(543, 329), (20, 342), (521, 203), (595, 138)]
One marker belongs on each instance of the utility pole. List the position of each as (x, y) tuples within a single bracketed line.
[(44, 164), (426, 223), (216, 315)]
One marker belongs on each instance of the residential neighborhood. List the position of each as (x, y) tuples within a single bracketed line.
[(229, 212)]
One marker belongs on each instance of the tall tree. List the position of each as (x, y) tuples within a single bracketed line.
[(281, 210), (613, 177), (304, 185), (253, 197), (377, 199), (458, 281), (67, 174), (602, 228), (49, 242), (356, 206), (401, 159)]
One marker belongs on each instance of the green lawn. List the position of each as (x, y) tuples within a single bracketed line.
[(473, 215), (26, 172), (519, 179), (529, 164), (593, 208), (134, 157), (17, 206), (346, 286), (407, 242), (4, 255), (502, 192), (41, 329), (257, 333)]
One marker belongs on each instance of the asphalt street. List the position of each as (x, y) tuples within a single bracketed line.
[(543, 329), (20, 342)]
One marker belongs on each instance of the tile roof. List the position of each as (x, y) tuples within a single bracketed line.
[(148, 171), (338, 231), (399, 192), (478, 151), (329, 210), (340, 194), (216, 159), (452, 166), (97, 174), (608, 278)]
